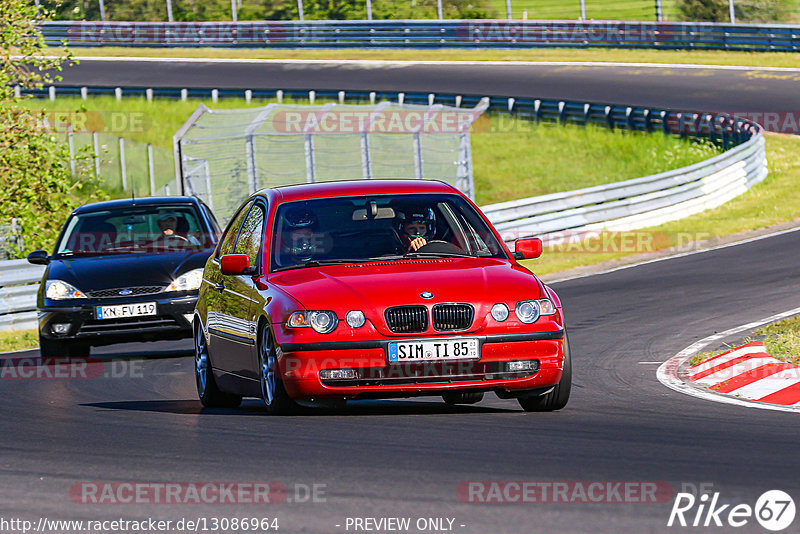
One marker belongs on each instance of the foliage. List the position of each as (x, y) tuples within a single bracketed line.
[(36, 183), (745, 10), (220, 10)]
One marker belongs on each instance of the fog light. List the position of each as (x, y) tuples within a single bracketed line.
[(524, 365), (500, 312), (338, 374), (355, 318), (189, 317), (60, 328)]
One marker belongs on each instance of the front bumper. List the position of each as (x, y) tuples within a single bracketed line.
[(172, 320), (301, 363)]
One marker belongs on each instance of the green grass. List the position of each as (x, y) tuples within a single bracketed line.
[(512, 158), (750, 59), (775, 200), (595, 9), (783, 340), (18, 340)]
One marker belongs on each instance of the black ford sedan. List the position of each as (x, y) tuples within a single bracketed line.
[(123, 270)]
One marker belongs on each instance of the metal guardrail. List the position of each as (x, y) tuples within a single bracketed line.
[(428, 34), (619, 206), (637, 203), (18, 286)]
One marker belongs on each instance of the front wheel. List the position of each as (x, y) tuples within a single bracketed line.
[(558, 398), (210, 395), (274, 395)]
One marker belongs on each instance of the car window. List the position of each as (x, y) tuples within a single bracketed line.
[(359, 228), (249, 240), (150, 228), (229, 237)]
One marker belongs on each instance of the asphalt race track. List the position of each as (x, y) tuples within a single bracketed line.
[(701, 89), (141, 422)]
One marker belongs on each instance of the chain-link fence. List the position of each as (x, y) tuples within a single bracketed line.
[(127, 166), (228, 154)]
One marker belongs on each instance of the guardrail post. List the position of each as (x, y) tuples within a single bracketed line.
[(341, 97), (215, 92), (372, 97), (310, 163), (648, 125), (118, 93), (96, 156), (366, 162), (17, 91), (300, 10), (369, 9), (148, 93), (151, 170), (84, 93), (401, 98), (458, 101), (562, 112), (431, 98), (184, 95), (51, 91), (586, 109), (609, 118), (419, 172), (122, 169), (71, 144), (248, 95), (279, 96), (629, 118), (312, 96)]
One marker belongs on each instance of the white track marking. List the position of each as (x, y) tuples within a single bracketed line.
[(667, 373), (674, 256), (393, 62), (719, 360)]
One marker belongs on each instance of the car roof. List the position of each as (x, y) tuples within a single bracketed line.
[(345, 188), (128, 202)]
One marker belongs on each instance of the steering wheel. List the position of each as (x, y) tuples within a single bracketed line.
[(439, 246)]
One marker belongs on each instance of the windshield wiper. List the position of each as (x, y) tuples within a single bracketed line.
[(320, 263), (438, 255)]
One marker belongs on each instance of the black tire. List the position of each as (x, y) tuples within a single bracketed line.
[(559, 396), (210, 395), (50, 348), (77, 349), (274, 395), (462, 397)]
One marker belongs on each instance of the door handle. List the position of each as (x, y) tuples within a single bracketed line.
[(220, 287)]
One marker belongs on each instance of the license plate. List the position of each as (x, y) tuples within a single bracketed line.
[(434, 350), (125, 310)]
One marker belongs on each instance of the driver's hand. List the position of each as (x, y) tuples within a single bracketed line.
[(418, 242)]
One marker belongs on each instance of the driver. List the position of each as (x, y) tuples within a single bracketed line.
[(168, 223), (300, 240), (416, 226)]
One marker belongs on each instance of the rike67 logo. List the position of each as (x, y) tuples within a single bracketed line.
[(774, 510)]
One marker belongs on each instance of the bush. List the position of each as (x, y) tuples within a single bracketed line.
[(36, 184), (745, 10)]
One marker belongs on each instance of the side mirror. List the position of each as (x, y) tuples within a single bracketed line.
[(528, 248), (38, 257), (236, 264)]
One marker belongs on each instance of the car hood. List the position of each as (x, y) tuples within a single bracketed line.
[(373, 287), (89, 273)]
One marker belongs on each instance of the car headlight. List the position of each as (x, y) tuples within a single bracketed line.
[(323, 322), (528, 311), (59, 290), (188, 281)]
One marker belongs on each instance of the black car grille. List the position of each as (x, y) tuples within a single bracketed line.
[(449, 317), (134, 291), (94, 326), (407, 319)]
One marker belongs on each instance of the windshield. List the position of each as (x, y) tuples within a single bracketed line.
[(364, 228), (134, 229)]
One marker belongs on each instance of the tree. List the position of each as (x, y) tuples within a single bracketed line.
[(36, 183)]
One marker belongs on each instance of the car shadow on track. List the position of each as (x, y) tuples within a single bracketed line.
[(255, 408)]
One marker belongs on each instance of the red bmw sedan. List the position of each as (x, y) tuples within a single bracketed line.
[(322, 293)]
